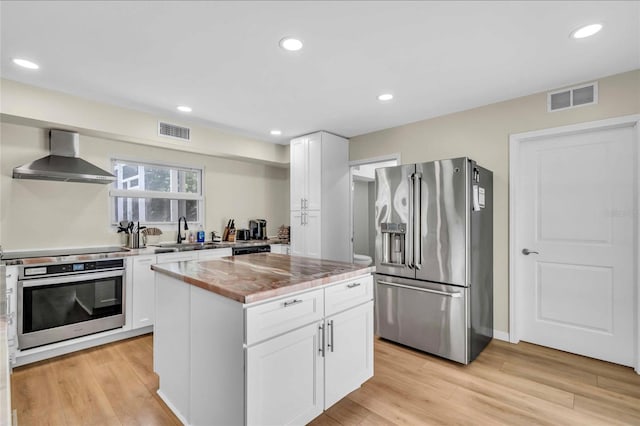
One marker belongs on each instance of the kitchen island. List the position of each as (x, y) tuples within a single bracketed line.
[(262, 338)]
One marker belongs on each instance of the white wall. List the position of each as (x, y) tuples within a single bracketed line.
[(43, 214), (483, 134)]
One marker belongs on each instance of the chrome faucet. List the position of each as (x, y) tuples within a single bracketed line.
[(186, 228)]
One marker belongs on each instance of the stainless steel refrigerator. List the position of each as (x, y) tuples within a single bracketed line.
[(434, 257)]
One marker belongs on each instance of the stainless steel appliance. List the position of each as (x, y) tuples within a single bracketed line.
[(434, 257), (60, 301), (251, 249), (243, 235), (258, 228), (64, 163)]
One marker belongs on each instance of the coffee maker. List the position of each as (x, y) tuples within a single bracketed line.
[(258, 229)]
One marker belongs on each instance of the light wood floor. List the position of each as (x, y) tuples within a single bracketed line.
[(508, 384)]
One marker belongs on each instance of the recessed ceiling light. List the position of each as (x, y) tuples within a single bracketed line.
[(586, 31), (184, 108), (26, 64), (276, 132), (291, 44), (385, 97)]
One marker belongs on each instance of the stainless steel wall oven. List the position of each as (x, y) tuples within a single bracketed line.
[(61, 301)]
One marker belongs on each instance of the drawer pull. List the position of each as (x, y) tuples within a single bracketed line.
[(293, 302), (353, 285)]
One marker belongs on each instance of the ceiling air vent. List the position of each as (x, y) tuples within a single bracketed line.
[(173, 131), (586, 94)]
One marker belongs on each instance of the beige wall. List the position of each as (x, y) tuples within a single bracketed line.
[(24, 104), (483, 134), (42, 214)]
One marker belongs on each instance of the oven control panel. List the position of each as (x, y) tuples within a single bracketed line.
[(72, 268)]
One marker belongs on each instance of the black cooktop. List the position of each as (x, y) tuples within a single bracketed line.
[(60, 252)]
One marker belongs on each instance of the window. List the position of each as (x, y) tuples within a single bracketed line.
[(156, 194)]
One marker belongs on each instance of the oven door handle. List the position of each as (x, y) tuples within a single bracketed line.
[(90, 276)]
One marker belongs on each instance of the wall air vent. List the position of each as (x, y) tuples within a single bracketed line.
[(173, 131), (585, 94)]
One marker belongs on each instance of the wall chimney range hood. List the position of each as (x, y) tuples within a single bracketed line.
[(64, 163)]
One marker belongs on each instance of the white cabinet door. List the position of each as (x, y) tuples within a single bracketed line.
[(143, 294), (214, 253), (177, 257), (312, 234), (298, 174), (285, 379), (314, 172), (277, 248), (298, 246), (349, 352)]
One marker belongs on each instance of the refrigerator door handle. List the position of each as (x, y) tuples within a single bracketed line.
[(454, 295), (409, 259), (416, 237)]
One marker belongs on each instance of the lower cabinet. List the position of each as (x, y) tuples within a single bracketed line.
[(285, 378), (277, 362), (293, 378), (143, 281), (349, 352), (143, 291)]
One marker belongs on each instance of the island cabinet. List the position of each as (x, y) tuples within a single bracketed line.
[(274, 362)]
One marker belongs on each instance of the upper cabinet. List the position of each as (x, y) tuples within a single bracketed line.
[(306, 174), (320, 196)]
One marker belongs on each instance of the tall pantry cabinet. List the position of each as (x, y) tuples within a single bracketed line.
[(320, 197)]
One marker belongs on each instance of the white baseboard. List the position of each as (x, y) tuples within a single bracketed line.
[(500, 335), (173, 409)]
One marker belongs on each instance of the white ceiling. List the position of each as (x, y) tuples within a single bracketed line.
[(223, 58)]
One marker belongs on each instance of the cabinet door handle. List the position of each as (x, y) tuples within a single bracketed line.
[(353, 285), (301, 219), (306, 203), (292, 302), (331, 339), (301, 203), (321, 340)]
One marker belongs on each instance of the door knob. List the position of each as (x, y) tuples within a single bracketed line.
[(527, 252)]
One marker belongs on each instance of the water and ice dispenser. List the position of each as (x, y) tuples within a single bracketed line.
[(393, 236)]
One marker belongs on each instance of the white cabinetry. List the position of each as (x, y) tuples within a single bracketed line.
[(11, 277), (143, 281), (143, 294), (320, 196), (306, 235), (214, 253), (280, 248), (177, 257), (349, 353), (285, 378), (281, 361)]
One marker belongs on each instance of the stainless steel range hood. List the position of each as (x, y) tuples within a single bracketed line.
[(63, 164)]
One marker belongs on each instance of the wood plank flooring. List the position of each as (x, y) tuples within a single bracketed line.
[(508, 384)]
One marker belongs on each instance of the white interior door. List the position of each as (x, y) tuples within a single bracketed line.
[(576, 209)]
